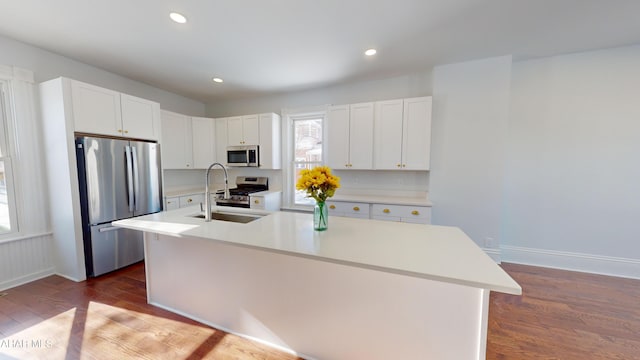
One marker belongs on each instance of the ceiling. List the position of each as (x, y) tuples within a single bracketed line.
[(262, 47)]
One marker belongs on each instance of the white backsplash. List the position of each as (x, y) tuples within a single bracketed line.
[(193, 179), (379, 180), (352, 181)]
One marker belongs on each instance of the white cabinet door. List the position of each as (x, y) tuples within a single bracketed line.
[(338, 137), (171, 203), (221, 140), (270, 144), (203, 136), (176, 147), (416, 134), (243, 130), (361, 136), (193, 199), (388, 135), (96, 110), (251, 130), (234, 131), (348, 209), (140, 117), (404, 213)]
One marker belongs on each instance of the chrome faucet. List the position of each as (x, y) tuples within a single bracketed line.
[(207, 191)]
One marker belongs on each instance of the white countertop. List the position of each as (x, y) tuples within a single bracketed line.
[(440, 253)]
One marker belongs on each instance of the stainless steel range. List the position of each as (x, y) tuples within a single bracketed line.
[(240, 195)]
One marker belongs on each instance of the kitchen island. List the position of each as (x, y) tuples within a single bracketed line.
[(363, 289)]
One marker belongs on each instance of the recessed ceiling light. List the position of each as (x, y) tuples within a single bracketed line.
[(179, 18), (370, 52), (218, 80)]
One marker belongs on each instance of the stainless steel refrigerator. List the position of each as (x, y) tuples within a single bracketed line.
[(118, 179)]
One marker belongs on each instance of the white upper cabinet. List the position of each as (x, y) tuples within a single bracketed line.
[(350, 136), (403, 134), (361, 136), (96, 110), (270, 144), (106, 112), (388, 134), (416, 134), (243, 130), (140, 117), (221, 140), (203, 137), (338, 137), (176, 144)]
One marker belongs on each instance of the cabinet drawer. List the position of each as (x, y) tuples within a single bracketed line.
[(401, 211), (171, 203), (340, 208), (189, 200), (257, 202)]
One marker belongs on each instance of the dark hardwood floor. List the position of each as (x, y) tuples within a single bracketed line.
[(565, 315), (561, 315), (108, 318)]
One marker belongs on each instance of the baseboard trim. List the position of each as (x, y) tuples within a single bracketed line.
[(26, 279), (596, 264), (495, 254)]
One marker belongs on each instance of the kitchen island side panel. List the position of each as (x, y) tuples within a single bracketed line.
[(318, 309)]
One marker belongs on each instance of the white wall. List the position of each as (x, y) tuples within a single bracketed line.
[(470, 114), (47, 65), (573, 179)]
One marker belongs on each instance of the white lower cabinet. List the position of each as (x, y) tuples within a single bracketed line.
[(348, 209), (266, 200), (192, 199), (402, 213), (171, 202), (386, 212), (175, 202)]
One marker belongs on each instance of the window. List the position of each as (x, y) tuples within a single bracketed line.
[(305, 151), (8, 221)]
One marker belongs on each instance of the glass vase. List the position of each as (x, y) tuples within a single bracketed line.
[(320, 216)]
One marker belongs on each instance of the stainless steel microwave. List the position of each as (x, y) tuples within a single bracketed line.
[(243, 155)]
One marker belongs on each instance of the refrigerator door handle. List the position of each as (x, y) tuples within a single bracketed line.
[(136, 179), (110, 228), (127, 151)]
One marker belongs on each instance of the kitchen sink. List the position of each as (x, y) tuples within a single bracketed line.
[(237, 218)]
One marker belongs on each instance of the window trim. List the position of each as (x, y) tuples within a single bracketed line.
[(288, 172), (7, 144)]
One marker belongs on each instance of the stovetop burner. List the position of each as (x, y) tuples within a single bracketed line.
[(240, 195)]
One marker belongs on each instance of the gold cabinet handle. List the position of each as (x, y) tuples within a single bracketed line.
[(398, 165), (256, 201), (386, 211), (332, 207), (355, 208), (119, 130), (404, 165), (415, 212), (126, 131), (190, 200)]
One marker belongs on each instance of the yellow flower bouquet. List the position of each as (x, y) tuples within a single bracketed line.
[(319, 184)]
